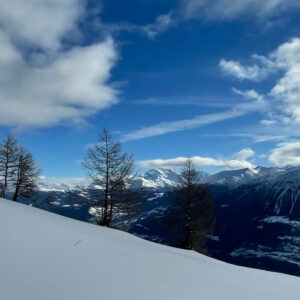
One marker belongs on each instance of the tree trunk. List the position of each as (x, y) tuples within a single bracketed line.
[(188, 220), (16, 193), (111, 209), (3, 192), (106, 192)]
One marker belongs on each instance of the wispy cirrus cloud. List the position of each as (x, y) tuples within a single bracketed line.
[(260, 138), (225, 10), (257, 103), (168, 127), (161, 24), (203, 101), (238, 161), (219, 10)]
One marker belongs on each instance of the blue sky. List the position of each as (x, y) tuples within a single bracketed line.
[(215, 80)]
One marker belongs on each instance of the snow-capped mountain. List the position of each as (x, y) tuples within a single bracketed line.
[(233, 178), (292, 173), (46, 184), (166, 178), (152, 179), (158, 179)]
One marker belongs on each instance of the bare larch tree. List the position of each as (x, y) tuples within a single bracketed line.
[(26, 175), (8, 158), (111, 170)]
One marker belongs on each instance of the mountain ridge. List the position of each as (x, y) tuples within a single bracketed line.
[(167, 178)]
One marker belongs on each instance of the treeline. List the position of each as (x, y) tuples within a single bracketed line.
[(18, 171), (112, 171)]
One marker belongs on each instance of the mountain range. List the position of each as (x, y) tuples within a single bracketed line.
[(257, 212), (166, 178)]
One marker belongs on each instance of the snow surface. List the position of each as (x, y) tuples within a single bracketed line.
[(45, 256)]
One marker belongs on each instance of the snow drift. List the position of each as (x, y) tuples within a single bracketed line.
[(45, 256)]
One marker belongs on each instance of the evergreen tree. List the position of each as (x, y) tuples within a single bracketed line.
[(194, 209)]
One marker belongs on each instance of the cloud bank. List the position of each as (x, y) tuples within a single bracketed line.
[(238, 162)]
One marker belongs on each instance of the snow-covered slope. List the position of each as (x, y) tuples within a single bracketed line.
[(45, 256)]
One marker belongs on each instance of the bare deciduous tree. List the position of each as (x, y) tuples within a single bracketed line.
[(111, 170), (8, 158), (26, 176)]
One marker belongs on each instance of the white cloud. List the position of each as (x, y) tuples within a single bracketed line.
[(68, 89), (168, 127), (286, 154), (42, 23), (285, 95), (229, 10), (244, 154), (260, 138), (238, 162), (161, 24), (287, 89), (259, 102), (268, 122), (235, 69), (52, 86)]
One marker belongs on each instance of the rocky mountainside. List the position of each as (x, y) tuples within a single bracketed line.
[(258, 225)]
